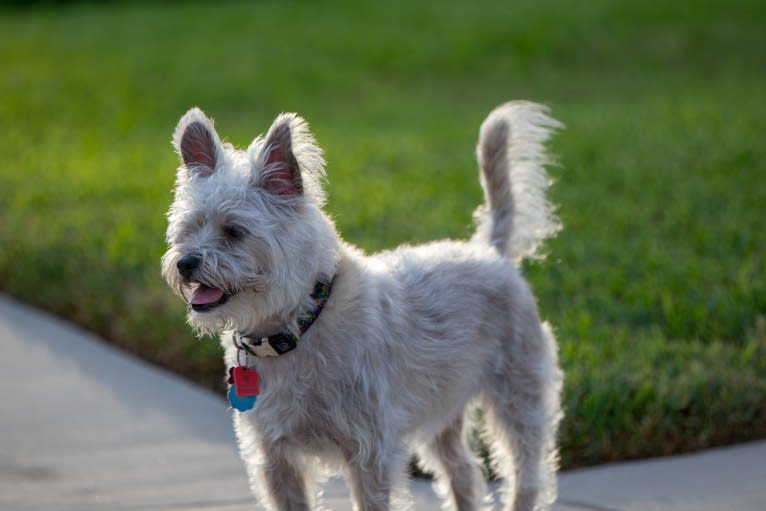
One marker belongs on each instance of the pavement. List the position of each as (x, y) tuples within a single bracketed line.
[(84, 426)]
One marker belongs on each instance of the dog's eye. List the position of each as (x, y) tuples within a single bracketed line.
[(234, 232)]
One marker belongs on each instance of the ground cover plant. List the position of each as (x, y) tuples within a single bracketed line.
[(656, 286)]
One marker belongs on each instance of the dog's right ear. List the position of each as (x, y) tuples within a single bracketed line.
[(198, 144)]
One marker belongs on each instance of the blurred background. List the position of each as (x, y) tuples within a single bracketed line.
[(656, 286)]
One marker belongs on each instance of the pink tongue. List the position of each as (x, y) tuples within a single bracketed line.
[(204, 295)]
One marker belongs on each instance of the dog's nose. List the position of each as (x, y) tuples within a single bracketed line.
[(187, 264)]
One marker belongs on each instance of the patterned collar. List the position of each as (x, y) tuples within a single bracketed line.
[(285, 341)]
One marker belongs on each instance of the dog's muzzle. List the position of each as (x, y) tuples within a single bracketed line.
[(204, 297)]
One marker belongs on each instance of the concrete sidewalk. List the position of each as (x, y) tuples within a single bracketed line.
[(86, 427)]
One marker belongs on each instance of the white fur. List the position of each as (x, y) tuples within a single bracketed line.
[(408, 339), (514, 133)]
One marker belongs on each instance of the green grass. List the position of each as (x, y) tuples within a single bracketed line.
[(657, 285)]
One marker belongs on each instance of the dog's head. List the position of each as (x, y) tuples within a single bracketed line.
[(244, 223)]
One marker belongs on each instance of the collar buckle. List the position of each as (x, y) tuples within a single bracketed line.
[(272, 346)]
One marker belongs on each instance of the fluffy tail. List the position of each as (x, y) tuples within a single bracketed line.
[(517, 217)]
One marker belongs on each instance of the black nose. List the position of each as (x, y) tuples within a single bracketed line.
[(186, 265)]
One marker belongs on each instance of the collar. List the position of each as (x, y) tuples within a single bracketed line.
[(285, 341)]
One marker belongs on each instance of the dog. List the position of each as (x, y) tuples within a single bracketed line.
[(354, 361)]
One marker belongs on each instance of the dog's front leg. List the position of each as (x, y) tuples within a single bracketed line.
[(371, 477), (284, 484), (371, 489)]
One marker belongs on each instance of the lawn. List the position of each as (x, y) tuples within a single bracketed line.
[(656, 287)]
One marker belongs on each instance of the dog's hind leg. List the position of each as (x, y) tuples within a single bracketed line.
[(456, 469), (517, 444), (522, 420)]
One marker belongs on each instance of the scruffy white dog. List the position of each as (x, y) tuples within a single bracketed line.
[(363, 358)]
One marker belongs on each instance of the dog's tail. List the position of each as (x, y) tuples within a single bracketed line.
[(517, 217)]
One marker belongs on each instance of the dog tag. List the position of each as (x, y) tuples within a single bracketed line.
[(246, 382), (242, 404), (244, 387)]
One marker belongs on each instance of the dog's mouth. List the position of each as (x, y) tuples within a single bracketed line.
[(206, 298)]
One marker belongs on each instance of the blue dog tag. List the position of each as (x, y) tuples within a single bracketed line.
[(242, 404)]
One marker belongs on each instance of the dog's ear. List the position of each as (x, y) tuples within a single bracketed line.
[(198, 144), (280, 173)]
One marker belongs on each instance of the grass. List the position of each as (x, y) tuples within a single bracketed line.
[(656, 286)]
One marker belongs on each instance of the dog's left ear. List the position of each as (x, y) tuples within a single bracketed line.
[(288, 163), (279, 170)]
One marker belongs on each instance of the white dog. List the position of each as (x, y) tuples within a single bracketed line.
[(363, 358)]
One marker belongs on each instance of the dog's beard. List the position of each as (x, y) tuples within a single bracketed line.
[(216, 320)]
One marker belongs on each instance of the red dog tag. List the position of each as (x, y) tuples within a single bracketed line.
[(246, 382)]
